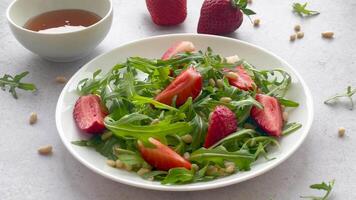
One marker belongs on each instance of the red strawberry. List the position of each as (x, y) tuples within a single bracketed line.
[(269, 119), (167, 12), (179, 47), (89, 114), (221, 17), (161, 156), (222, 123), (243, 80), (187, 84)]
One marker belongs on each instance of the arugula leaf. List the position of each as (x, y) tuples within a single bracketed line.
[(13, 83), (155, 175), (132, 159), (218, 155), (178, 176), (144, 132), (288, 103), (139, 100), (104, 147), (240, 134), (290, 128), (349, 93), (200, 128), (301, 10), (321, 186)]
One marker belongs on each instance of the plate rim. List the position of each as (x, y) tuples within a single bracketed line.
[(197, 187)]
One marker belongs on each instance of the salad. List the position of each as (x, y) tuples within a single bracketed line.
[(187, 117)]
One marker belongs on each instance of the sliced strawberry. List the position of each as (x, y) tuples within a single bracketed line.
[(188, 84), (161, 156), (89, 114), (269, 119), (179, 47), (222, 123), (243, 80)]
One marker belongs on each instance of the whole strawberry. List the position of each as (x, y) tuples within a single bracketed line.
[(167, 12), (220, 17)]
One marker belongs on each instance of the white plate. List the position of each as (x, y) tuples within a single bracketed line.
[(153, 48)]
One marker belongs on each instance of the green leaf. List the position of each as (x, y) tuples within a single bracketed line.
[(290, 128), (321, 186), (139, 100), (218, 155), (200, 128), (144, 132), (104, 147), (12, 83), (301, 10), (178, 176), (155, 175), (288, 103)]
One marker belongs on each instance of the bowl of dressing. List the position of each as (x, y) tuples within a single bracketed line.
[(60, 30)]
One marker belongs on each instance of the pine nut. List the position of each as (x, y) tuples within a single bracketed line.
[(45, 150), (342, 131), (327, 34), (33, 118), (256, 22), (292, 37), (228, 163), (232, 59), (111, 163), (212, 82), (128, 167), (155, 121), (156, 92), (61, 79), (119, 164), (297, 28), (220, 83), (187, 138), (230, 169), (283, 108), (232, 75), (186, 155), (300, 35), (142, 171), (225, 99), (195, 167), (285, 116), (212, 170), (249, 1)]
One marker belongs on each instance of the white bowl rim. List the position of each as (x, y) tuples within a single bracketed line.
[(197, 187), (8, 10)]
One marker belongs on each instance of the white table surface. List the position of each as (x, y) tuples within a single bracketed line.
[(328, 66)]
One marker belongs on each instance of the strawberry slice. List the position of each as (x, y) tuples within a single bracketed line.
[(89, 114), (269, 119), (243, 80), (188, 84), (221, 124), (161, 156), (179, 47)]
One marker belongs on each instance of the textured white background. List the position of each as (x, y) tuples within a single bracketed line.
[(328, 66)]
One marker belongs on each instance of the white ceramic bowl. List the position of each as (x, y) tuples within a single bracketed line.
[(61, 47), (153, 48)]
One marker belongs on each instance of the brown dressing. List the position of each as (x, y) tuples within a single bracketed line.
[(62, 20)]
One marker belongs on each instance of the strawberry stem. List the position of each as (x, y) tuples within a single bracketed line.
[(242, 5)]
